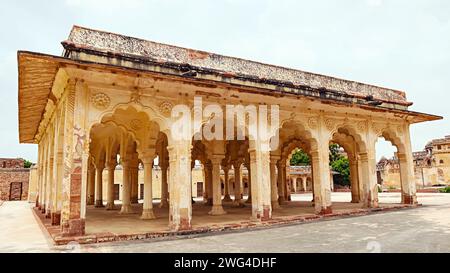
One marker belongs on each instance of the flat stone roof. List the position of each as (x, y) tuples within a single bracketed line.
[(105, 50), (85, 39)]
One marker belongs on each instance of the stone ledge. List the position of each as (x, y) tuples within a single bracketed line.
[(55, 231)]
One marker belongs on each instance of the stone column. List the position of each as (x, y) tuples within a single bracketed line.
[(354, 183), (331, 181), (273, 182), (134, 179), (76, 155), (110, 190), (91, 185), (237, 184), (406, 162), (281, 166), (360, 178), (180, 200), (294, 183), (147, 212), (370, 188), (208, 184), (322, 190), (249, 180), (226, 197), (217, 208), (287, 183), (126, 189), (304, 178), (312, 185), (99, 185), (260, 176), (56, 214), (50, 182), (164, 187)]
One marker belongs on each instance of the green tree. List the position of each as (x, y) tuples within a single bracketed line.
[(342, 166), (300, 158), (338, 162), (27, 163), (334, 152)]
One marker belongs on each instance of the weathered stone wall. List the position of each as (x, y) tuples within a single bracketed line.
[(9, 179), (11, 163)]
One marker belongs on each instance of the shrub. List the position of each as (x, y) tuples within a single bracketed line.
[(445, 190)]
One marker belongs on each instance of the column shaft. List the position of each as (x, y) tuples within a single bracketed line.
[(126, 190), (99, 186), (147, 212), (273, 182), (110, 189), (217, 208)]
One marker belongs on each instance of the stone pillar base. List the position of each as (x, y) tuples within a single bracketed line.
[(275, 205), (126, 209), (261, 216), (183, 225), (99, 204), (56, 218), (227, 198), (409, 199), (238, 203), (110, 206), (325, 210), (164, 204), (209, 202), (217, 210), (48, 214), (73, 227), (148, 214), (371, 204), (90, 200)]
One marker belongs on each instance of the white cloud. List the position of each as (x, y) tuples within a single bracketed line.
[(374, 3)]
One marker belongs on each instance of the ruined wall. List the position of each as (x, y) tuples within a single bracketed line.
[(9, 163), (14, 183)]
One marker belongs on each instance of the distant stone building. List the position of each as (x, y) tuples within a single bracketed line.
[(431, 166), (13, 179)]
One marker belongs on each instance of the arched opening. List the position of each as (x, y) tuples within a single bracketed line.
[(345, 166), (391, 168), (127, 172)]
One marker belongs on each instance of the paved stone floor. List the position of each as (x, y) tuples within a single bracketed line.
[(19, 230), (99, 220), (424, 229)]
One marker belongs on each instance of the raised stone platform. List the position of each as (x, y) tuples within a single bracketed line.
[(108, 226)]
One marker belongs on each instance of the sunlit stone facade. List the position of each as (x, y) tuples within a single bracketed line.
[(108, 100)]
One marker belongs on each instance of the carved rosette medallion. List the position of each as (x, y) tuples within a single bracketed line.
[(101, 101), (329, 123), (166, 108), (377, 127), (312, 122), (362, 126), (136, 124)]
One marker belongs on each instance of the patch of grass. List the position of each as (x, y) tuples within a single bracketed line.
[(445, 190), (380, 189)]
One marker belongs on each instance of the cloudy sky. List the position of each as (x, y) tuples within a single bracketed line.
[(398, 43)]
